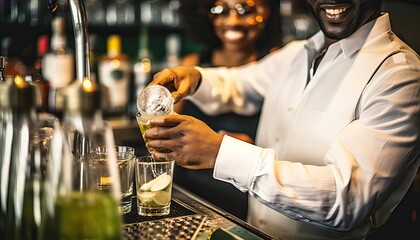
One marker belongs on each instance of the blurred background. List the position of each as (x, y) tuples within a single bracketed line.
[(23, 21)]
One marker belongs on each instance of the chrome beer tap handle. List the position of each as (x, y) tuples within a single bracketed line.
[(78, 18)]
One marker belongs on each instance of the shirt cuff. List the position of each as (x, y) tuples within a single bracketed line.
[(204, 86), (236, 162)]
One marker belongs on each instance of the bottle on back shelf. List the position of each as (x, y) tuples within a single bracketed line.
[(142, 68), (36, 72), (173, 48), (120, 13), (13, 65), (114, 72), (58, 64)]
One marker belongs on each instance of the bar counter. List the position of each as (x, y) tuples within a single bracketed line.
[(190, 218), (188, 211)]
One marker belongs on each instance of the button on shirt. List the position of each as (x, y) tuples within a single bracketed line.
[(332, 157)]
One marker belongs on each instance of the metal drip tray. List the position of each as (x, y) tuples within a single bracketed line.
[(180, 223), (189, 218), (177, 210), (168, 228)]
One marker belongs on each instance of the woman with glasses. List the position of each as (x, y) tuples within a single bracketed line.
[(233, 32)]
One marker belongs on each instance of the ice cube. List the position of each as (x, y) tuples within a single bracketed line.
[(155, 100)]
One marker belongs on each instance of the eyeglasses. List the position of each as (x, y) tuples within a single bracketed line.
[(244, 9)]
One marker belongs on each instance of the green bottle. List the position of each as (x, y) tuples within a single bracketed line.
[(82, 210)]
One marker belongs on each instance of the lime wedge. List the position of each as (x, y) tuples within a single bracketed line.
[(161, 182), (162, 198), (148, 186), (146, 197)]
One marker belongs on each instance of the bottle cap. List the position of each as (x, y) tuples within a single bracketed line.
[(114, 45), (18, 94), (43, 43), (86, 97)]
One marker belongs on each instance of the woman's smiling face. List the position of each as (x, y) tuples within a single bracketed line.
[(339, 19), (238, 23)]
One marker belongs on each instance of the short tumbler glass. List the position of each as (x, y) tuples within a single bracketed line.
[(154, 185), (125, 161)]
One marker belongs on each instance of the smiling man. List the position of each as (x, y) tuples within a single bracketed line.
[(338, 141)]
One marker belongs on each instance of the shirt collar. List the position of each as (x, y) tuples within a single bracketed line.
[(357, 40)]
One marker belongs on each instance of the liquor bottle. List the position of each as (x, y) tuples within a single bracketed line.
[(95, 12), (151, 12), (120, 13), (36, 72), (170, 13), (58, 64), (173, 47), (142, 68), (114, 72)]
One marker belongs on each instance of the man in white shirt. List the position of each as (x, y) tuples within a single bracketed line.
[(338, 143)]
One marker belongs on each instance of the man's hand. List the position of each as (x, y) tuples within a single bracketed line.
[(181, 81), (187, 140)]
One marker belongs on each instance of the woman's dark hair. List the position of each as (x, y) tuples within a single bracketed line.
[(196, 22)]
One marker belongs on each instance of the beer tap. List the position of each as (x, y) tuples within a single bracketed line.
[(74, 97), (78, 18)]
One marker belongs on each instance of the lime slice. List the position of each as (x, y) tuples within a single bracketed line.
[(161, 182), (148, 186), (146, 197), (162, 198)]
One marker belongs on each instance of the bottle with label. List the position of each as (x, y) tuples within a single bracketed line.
[(114, 72), (58, 65), (142, 68)]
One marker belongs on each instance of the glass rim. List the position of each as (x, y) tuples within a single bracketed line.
[(151, 160), (122, 152)]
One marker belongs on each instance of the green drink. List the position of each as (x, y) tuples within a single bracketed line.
[(87, 216), (153, 101), (143, 125), (144, 128)]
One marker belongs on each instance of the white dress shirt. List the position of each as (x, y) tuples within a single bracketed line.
[(335, 156)]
